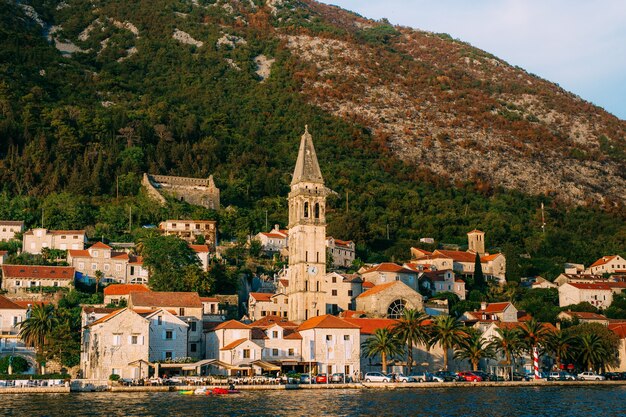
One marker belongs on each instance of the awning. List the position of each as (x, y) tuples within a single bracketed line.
[(266, 365), (140, 362)]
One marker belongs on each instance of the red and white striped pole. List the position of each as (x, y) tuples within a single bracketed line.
[(536, 361)]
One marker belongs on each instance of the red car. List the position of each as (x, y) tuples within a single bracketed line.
[(469, 376), (321, 379)]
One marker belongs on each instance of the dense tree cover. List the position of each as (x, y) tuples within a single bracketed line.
[(70, 162)]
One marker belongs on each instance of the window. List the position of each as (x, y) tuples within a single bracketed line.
[(94, 267), (160, 320), (290, 352), (275, 301), (246, 353), (95, 254), (81, 265), (106, 267), (275, 334), (334, 280), (306, 209), (16, 320), (193, 347), (349, 293), (396, 309), (118, 267), (334, 292), (18, 283), (117, 339), (346, 337), (329, 337), (169, 335), (274, 352), (192, 326), (181, 311), (167, 355), (317, 210), (134, 340), (263, 313)]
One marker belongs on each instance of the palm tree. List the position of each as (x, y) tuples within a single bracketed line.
[(447, 332), (532, 334), (38, 326), (412, 330), (383, 343), (592, 351), (99, 275), (561, 345), (508, 342), (474, 348)]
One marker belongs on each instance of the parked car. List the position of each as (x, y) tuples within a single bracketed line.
[(399, 378), (520, 377), (494, 377), (469, 376), (590, 376), (615, 376), (484, 375), (421, 377), (437, 378), (561, 376), (339, 378), (376, 377), (447, 376), (305, 379), (321, 379)]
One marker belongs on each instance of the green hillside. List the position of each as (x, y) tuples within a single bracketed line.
[(76, 128)]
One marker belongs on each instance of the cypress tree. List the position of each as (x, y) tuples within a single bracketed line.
[(479, 277)]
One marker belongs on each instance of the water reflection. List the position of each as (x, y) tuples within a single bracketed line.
[(452, 402)]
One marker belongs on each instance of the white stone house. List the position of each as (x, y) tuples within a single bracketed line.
[(443, 281), (9, 228), (33, 241), (388, 272), (597, 294), (202, 252), (341, 291), (190, 230), (279, 340), (11, 315), (18, 279), (261, 304), (274, 241), (343, 252), (100, 257), (115, 293), (608, 265)]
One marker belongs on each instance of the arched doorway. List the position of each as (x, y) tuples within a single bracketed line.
[(396, 309)]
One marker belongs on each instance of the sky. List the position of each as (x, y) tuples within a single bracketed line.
[(578, 44)]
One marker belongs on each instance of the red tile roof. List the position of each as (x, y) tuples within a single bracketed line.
[(269, 321), (274, 235), (31, 303), (345, 243), (11, 223), (495, 307), (326, 322), (284, 282), (124, 289), (261, 296), (603, 260), (209, 299), (107, 317), (389, 267), (376, 289), (164, 299), (200, 248), (619, 329), (586, 286), (368, 326), (79, 253), (232, 324), (98, 310), (7, 304), (457, 256), (368, 284), (586, 315), (38, 272), (488, 258), (292, 335), (100, 245), (234, 344)]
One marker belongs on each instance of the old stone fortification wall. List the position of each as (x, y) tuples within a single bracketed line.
[(197, 191), (151, 190)]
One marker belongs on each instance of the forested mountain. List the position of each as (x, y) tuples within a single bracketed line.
[(423, 134)]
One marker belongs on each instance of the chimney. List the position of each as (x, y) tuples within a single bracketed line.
[(483, 305), (276, 227)]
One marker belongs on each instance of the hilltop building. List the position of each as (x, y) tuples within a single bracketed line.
[(197, 191), (35, 240), (191, 230), (9, 228)]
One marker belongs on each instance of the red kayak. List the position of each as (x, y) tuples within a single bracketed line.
[(224, 391)]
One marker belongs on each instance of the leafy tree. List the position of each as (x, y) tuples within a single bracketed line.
[(447, 331), (617, 309), (18, 364), (412, 329), (595, 345), (561, 345), (384, 343), (592, 351), (36, 329), (532, 333), (98, 277), (474, 347), (172, 264), (508, 342)]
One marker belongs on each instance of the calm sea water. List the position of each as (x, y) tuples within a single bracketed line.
[(478, 402)]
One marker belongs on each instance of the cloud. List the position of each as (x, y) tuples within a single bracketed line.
[(579, 44)]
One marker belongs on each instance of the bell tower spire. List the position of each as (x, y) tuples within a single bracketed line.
[(307, 235)]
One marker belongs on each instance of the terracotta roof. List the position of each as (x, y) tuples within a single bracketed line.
[(3, 252), (292, 335), (79, 253), (147, 311), (459, 280), (351, 314), (458, 256), (258, 333), (232, 324), (67, 232), (200, 248), (326, 322), (124, 289), (31, 303), (422, 251), (586, 315), (107, 317), (120, 256), (209, 299), (269, 321), (356, 278), (100, 245), (345, 243), (495, 308), (261, 296), (284, 282), (389, 267), (38, 272), (368, 326), (603, 260), (593, 286), (234, 344), (7, 304), (98, 310), (274, 235), (367, 284), (164, 299), (619, 329), (11, 223), (616, 284), (488, 258), (376, 289)]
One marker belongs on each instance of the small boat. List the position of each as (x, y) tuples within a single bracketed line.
[(224, 391), (186, 392)]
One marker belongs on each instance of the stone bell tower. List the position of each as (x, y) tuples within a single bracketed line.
[(307, 235)]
